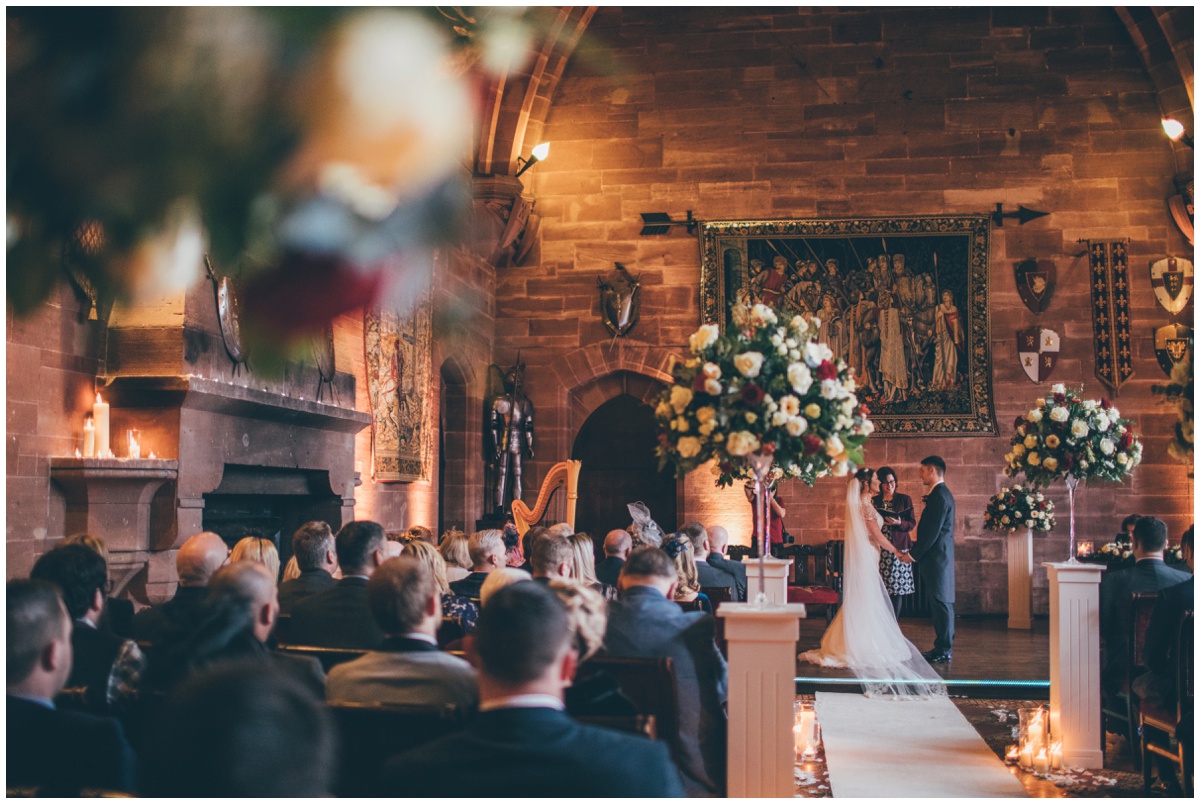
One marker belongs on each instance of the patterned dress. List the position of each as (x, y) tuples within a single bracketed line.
[(897, 576)]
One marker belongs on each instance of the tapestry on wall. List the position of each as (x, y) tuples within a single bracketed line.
[(904, 301), (1110, 312), (399, 360)]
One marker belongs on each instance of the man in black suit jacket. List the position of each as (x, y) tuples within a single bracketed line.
[(488, 554), (646, 622), (339, 617), (316, 556), (934, 554), (617, 545), (1148, 574), (197, 560), (57, 751), (522, 743), (718, 540)]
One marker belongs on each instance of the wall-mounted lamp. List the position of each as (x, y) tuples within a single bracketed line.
[(658, 223), (540, 152), (1176, 132)]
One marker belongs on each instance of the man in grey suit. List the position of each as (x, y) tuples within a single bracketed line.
[(407, 668), (934, 554), (718, 540), (1148, 574)]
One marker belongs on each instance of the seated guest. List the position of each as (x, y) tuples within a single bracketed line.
[(594, 691), (643, 529), (583, 566), (407, 667), (422, 533), (718, 541), (553, 558), (118, 611), (513, 555), (465, 609), (1158, 685), (197, 560), (316, 557), (256, 548), (646, 623), (339, 616), (527, 542), (58, 751), (241, 611), (455, 554), (617, 545), (505, 576), (1125, 537), (678, 548), (707, 574), (1148, 574), (105, 665), (522, 743), (233, 731), (486, 548)]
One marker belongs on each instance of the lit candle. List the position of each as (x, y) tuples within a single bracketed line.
[(1026, 756), (78, 454), (153, 456), (1056, 756), (1012, 756), (100, 414), (135, 448), (1041, 763), (806, 736), (89, 438)]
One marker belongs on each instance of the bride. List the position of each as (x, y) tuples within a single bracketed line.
[(864, 636)]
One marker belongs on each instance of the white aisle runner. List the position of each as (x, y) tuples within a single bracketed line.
[(907, 749)]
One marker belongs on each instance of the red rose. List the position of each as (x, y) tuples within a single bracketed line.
[(662, 439), (1067, 462), (1127, 440), (752, 394), (812, 444), (1060, 399), (826, 371), (1020, 420), (1104, 403), (725, 468), (768, 449), (698, 383)]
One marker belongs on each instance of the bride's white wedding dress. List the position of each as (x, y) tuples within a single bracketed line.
[(864, 636)]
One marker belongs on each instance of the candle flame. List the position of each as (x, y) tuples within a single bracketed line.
[(152, 455), (78, 454), (99, 401)]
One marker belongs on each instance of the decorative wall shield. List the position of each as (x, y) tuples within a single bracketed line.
[(1109, 287), (399, 358), (1172, 280), (620, 302), (1036, 280), (903, 300), (1171, 345), (1038, 349)]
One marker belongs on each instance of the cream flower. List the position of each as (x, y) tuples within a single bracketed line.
[(680, 398), (704, 337), (1107, 446), (1060, 414), (741, 443), (833, 447), (1032, 459), (1079, 428), (779, 419), (796, 426), (830, 389), (800, 378), (688, 447), (1034, 415), (790, 405), (711, 371), (748, 364), (712, 387), (812, 355)]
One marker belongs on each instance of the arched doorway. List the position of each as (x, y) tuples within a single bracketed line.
[(616, 445)]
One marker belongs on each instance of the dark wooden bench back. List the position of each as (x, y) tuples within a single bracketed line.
[(328, 657), (650, 685)]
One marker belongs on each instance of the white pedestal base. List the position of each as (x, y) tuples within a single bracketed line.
[(762, 666), (776, 572), (1075, 662), (1020, 579)]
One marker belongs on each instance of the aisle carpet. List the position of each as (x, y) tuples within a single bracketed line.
[(907, 749)]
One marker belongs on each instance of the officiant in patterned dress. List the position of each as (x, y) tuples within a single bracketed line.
[(899, 519)]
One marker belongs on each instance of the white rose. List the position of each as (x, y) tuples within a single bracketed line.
[(841, 469), (1060, 414), (1029, 523), (796, 426), (829, 389), (792, 343), (790, 405), (833, 447), (779, 419), (798, 323), (1122, 459), (1101, 423), (781, 350), (1107, 446), (1089, 404), (1079, 428), (1083, 464), (681, 424), (1034, 415), (1058, 388), (843, 422), (688, 447), (813, 411), (825, 352), (748, 364), (812, 355), (741, 443), (712, 387), (800, 378), (867, 427), (680, 398), (711, 371), (751, 417), (1114, 414), (776, 339), (703, 338)]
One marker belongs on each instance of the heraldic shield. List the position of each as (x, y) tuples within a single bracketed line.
[(1172, 344), (1035, 283), (1037, 348), (1172, 282)]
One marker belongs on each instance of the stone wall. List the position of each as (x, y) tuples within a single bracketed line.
[(778, 114)]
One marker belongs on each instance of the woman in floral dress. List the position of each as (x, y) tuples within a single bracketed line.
[(898, 522)]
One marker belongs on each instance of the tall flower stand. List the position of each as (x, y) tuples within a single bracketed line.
[(1020, 579), (775, 582), (762, 669), (1075, 662)]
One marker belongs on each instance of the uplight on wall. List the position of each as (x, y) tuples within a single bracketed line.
[(540, 152), (1176, 132)]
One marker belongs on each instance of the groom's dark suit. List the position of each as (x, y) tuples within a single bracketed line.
[(934, 554)]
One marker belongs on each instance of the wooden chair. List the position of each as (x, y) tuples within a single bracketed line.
[(1120, 709), (328, 657), (827, 594), (717, 594), (371, 734), (695, 605), (633, 724), (449, 631), (1168, 733), (650, 685)]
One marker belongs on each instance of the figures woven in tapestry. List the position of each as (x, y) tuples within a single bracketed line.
[(399, 363), (1110, 312), (904, 301)]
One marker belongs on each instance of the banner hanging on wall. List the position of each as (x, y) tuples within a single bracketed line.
[(1110, 311), (399, 359)]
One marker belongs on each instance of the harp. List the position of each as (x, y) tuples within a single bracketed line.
[(564, 473)]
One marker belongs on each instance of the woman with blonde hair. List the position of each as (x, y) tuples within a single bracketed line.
[(258, 550), (452, 605), (594, 691), (456, 555), (584, 566), (679, 548)]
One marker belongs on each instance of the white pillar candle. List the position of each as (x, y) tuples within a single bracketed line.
[(100, 415), (1041, 763), (89, 438), (1026, 756), (1056, 753)]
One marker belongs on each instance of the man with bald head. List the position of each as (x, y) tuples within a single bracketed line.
[(718, 541), (197, 560), (617, 545)]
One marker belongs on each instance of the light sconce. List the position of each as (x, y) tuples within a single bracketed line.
[(1176, 132), (659, 223), (540, 152)]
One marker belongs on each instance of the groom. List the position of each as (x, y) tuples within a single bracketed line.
[(934, 554)]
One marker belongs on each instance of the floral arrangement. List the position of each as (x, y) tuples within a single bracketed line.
[(1174, 553), (1114, 551), (1179, 392), (764, 388), (1019, 507), (1065, 436)]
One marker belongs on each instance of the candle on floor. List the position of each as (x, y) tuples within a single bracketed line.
[(1056, 756), (1012, 756), (100, 415), (1026, 756), (1083, 549), (1041, 763), (89, 438)]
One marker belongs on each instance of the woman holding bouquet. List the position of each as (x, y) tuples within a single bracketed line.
[(898, 522)]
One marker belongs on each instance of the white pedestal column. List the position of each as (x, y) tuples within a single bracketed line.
[(776, 579), (1075, 662), (1020, 578), (762, 666)]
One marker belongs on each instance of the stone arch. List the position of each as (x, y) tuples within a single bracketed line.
[(460, 451)]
